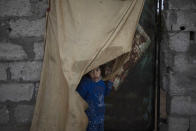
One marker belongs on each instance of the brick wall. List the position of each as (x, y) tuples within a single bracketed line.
[(178, 53), (22, 25)]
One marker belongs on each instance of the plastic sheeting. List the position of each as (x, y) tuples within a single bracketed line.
[(80, 35)]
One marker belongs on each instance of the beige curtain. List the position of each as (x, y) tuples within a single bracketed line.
[(80, 35)]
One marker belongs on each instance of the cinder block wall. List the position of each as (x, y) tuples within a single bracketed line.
[(178, 63), (22, 25)]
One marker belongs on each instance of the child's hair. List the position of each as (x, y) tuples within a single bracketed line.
[(102, 69)]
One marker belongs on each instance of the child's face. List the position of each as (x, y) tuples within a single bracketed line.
[(95, 74)]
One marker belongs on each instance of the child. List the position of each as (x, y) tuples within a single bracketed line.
[(93, 90)]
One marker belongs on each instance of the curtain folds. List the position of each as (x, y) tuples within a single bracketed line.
[(80, 35)]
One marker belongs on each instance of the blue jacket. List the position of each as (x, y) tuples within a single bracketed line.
[(94, 93)]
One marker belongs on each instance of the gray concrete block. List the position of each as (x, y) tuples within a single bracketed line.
[(181, 62), (180, 105), (175, 85), (183, 83), (24, 113), (39, 8), (193, 105), (4, 30), (39, 50), (15, 8), (10, 51), (4, 115), (3, 73), (192, 92), (26, 71), (179, 42), (166, 54), (178, 124), (192, 123), (181, 4), (170, 18), (176, 19), (16, 92), (27, 28)]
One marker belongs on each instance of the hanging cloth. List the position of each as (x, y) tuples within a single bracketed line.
[(80, 35)]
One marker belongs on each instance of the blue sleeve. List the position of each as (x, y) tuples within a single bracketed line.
[(109, 85), (83, 89)]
